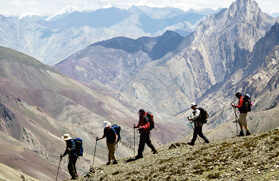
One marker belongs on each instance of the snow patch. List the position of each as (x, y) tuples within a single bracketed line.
[(67, 10)]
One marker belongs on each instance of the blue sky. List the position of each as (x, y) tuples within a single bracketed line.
[(49, 7)]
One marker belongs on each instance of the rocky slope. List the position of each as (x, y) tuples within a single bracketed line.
[(38, 105), (253, 157)]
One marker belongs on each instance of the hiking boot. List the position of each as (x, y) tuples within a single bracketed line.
[(108, 163), (191, 143), (241, 133), (74, 177), (155, 152), (138, 157), (114, 162), (248, 133), (206, 141)]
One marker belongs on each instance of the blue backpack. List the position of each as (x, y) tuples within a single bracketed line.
[(79, 146), (117, 130)]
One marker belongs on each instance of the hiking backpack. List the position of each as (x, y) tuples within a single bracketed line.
[(79, 146), (246, 105), (203, 115), (151, 120), (117, 129)]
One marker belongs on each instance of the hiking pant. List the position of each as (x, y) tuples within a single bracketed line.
[(242, 119), (145, 138), (72, 166), (111, 150), (198, 131)]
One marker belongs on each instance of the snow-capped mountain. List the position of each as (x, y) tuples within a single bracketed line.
[(63, 13), (53, 39)]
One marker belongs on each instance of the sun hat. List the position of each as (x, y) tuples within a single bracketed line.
[(106, 124), (66, 137), (193, 104)]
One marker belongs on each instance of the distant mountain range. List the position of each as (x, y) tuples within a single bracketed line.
[(217, 49), (52, 39), (113, 62)]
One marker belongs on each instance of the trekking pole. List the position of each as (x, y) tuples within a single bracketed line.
[(58, 168), (236, 120), (194, 130), (134, 140), (95, 151)]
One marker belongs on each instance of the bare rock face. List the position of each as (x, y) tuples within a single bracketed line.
[(218, 48)]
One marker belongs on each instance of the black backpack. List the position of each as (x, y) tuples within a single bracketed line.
[(246, 105), (79, 146), (151, 120), (203, 115), (117, 130)]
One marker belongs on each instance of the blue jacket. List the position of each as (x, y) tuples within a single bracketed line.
[(70, 144)]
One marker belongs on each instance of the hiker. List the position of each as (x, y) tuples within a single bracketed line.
[(197, 124), (112, 139), (71, 151), (242, 116), (144, 125)]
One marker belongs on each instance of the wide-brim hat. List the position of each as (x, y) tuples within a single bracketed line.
[(106, 124), (193, 104), (66, 137)]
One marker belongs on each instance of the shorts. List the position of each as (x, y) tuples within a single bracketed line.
[(242, 119)]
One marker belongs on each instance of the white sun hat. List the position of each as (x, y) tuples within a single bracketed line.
[(66, 137), (106, 124), (193, 104)]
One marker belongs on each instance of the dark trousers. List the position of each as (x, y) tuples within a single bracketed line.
[(72, 165), (145, 138), (198, 131)]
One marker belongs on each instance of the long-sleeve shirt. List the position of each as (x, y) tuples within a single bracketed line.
[(110, 134), (70, 144), (240, 102), (196, 117), (144, 123)]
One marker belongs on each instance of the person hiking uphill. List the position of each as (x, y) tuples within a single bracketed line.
[(71, 151), (112, 139), (197, 124), (144, 126), (242, 116)]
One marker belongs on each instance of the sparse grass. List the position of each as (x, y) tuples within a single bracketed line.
[(213, 175), (117, 172), (275, 155), (233, 159), (166, 160)]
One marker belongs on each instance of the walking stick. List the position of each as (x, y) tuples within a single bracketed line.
[(194, 130), (95, 151), (236, 120), (58, 167), (134, 140)]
